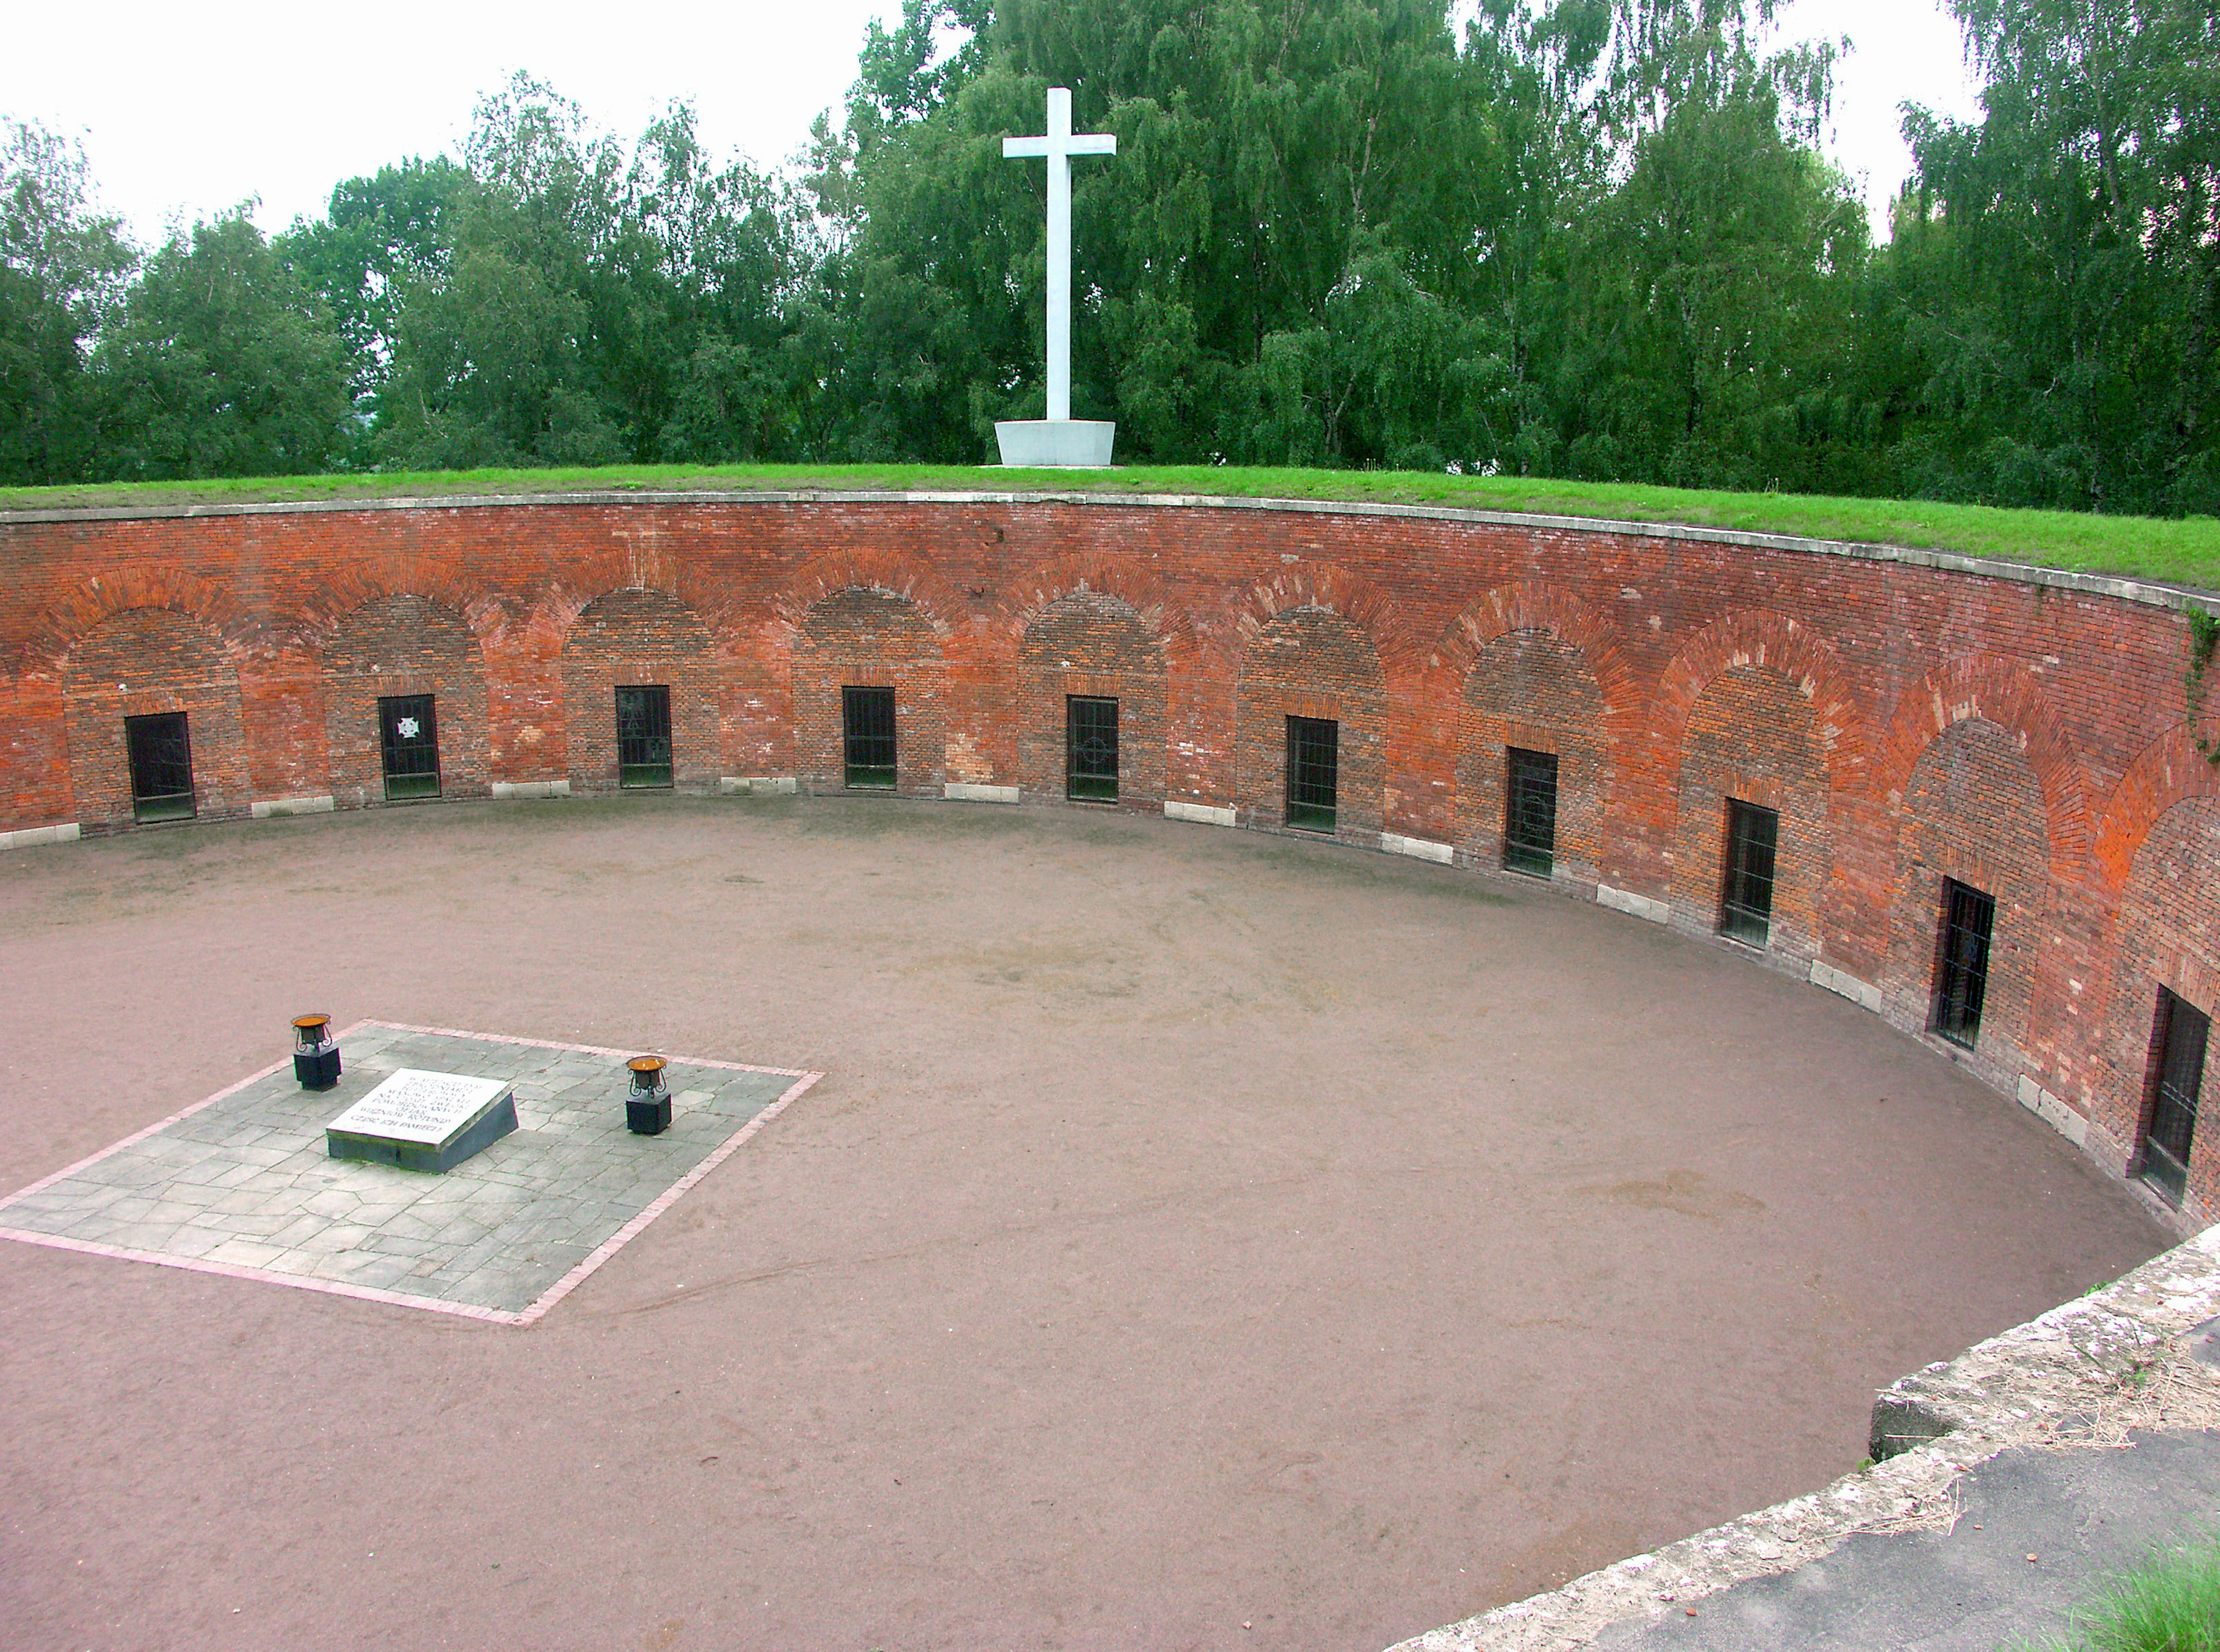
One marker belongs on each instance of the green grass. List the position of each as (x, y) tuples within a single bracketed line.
[(2167, 1602), (2184, 552)]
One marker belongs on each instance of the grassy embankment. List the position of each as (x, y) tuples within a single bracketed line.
[(2186, 553)]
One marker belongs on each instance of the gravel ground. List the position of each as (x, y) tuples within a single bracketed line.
[(1200, 1239)]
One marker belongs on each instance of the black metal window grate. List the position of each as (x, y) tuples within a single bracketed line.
[(160, 750), (408, 743), (1090, 751), (1530, 813), (1746, 903), (1962, 978), (1314, 772), (2183, 1031), (644, 737), (867, 730)]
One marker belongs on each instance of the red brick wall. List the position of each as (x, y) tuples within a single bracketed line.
[(402, 645), (1533, 690), (629, 638), (2027, 735), (1751, 738), (1091, 643), (862, 638), (140, 662), (1309, 662)]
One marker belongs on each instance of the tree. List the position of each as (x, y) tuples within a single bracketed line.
[(222, 363), (2056, 267), (62, 269)]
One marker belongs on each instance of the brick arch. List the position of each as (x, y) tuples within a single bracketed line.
[(866, 633), (150, 657), (348, 590), (1104, 575), (2005, 693), (1773, 642), (644, 566), (1362, 602), (1539, 605), (2167, 771), (59, 631), (1586, 738), (1100, 625), (896, 573), (403, 642)]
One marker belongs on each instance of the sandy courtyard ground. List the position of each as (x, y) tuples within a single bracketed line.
[(1199, 1240)]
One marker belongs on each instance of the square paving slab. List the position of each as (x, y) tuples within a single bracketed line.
[(241, 1183)]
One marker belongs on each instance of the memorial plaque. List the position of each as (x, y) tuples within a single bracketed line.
[(418, 1120)]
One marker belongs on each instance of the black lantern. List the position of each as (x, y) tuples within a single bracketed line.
[(315, 1052), (647, 1104)]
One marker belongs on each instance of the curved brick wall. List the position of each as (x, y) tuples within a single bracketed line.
[(1911, 717)]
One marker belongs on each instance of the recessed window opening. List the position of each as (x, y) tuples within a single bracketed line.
[(160, 750), (409, 745), (1530, 813), (1962, 973), (867, 731), (644, 737), (1314, 772), (2182, 1033), (1090, 752), (1746, 902)]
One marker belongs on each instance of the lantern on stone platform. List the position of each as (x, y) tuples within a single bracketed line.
[(647, 1104), (315, 1052)]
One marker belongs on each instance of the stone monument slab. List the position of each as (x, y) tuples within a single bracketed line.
[(420, 1121)]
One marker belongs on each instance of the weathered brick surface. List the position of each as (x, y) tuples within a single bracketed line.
[(395, 645), (1091, 643), (1911, 722), (1309, 662), (863, 638), (1533, 690), (630, 639), (1750, 737)]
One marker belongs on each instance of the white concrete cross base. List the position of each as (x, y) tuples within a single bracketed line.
[(1070, 444)]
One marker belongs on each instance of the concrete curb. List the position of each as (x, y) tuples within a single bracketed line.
[(29, 836), (1929, 1427)]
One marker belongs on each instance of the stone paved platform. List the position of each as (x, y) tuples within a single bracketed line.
[(240, 1184)]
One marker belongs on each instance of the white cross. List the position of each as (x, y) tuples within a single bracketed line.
[(1059, 147)]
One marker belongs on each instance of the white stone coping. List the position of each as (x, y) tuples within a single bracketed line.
[(756, 785), (274, 808), (963, 791), (1861, 993), (1418, 848), (27, 837), (1640, 906), (2152, 593), (1202, 812), (505, 788), (1996, 1395)]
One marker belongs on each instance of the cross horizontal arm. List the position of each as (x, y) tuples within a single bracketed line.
[(1090, 143), (1024, 149)]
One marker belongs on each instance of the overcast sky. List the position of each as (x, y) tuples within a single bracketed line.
[(185, 111)]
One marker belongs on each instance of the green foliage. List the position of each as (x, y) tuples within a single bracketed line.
[(221, 364), (2055, 270), (2168, 1602), (1590, 240), (62, 269)]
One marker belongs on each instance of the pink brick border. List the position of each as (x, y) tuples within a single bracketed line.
[(562, 1288)]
